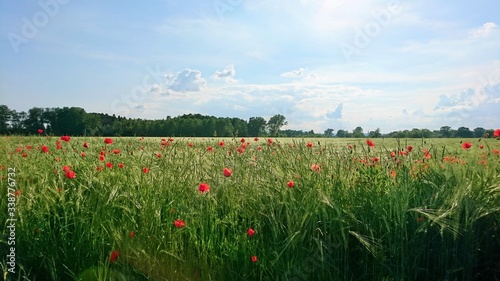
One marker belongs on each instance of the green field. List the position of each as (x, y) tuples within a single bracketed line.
[(288, 209)]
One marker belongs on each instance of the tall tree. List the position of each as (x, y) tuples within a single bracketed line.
[(275, 123), (256, 126), (5, 115), (328, 132), (358, 132), (479, 132)]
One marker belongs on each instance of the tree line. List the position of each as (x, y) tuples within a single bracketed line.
[(76, 121)]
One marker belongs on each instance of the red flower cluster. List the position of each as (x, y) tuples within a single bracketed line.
[(66, 138)]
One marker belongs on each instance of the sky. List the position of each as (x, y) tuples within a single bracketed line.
[(392, 65)]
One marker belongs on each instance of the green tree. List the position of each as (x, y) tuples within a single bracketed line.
[(446, 132), (479, 132), (328, 132), (358, 132), (275, 123), (256, 126), (5, 115), (375, 134), (464, 132)]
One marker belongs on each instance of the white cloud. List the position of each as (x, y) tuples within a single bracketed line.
[(293, 73), (226, 74), (185, 81), (484, 30)]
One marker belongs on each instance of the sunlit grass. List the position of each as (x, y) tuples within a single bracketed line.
[(354, 212)]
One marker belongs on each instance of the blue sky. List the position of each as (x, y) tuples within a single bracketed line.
[(391, 65)]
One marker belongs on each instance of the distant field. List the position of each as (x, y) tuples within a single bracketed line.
[(95, 208)]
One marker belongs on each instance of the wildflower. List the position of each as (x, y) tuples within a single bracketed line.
[(45, 149), (254, 259), (481, 146), (393, 154), (17, 192), (250, 232), (66, 168), (114, 256), (204, 187), (131, 234), (409, 148), (210, 149), (496, 133), (466, 145), (116, 151), (70, 174), (227, 172), (158, 155), (86, 145), (315, 168), (101, 157), (40, 131), (190, 144), (309, 144), (145, 170), (65, 138), (290, 184), (109, 165), (179, 223), (121, 165), (269, 141), (255, 139), (393, 174), (370, 143), (242, 140), (83, 154), (108, 140), (24, 155), (58, 145), (221, 144)]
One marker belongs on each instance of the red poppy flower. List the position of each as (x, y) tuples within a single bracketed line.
[(496, 133), (466, 145), (109, 165), (131, 234), (269, 141), (108, 140), (116, 151), (204, 187), (40, 131), (179, 223), (101, 157), (58, 145), (66, 168), (24, 155), (210, 149), (114, 256), (66, 138), (45, 149), (190, 144), (17, 192), (481, 146), (158, 155), (370, 143), (393, 154), (221, 144), (242, 140), (99, 168), (409, 148), (290, 184), (254, 259), (121, 165), (227, 172), (315, 168), (83, 154), (86, 145), (350, 146), (255, 139), (70, 174), (145, 170), (250, 232), (171, 139), (309, 144)]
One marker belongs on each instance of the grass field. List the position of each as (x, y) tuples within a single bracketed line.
[(232, 209)]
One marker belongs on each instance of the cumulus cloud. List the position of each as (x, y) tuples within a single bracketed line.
[(293, 73), (227, 73), (185, 81), (484, 30)]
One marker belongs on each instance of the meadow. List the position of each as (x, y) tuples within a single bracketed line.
[(96, 208)]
